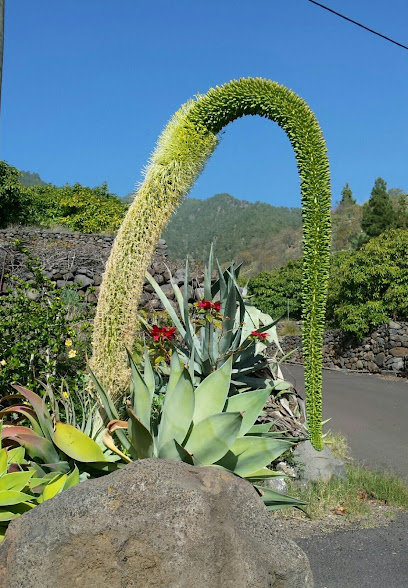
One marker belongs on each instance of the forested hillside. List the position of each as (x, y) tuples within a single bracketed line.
[(235, 226)]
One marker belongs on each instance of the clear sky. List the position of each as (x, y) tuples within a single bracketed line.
[(88, 85)]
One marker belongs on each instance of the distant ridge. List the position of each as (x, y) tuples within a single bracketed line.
[(235, 226)]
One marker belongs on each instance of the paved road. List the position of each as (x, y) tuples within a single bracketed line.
[(371, 411)]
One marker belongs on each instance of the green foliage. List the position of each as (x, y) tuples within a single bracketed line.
[(401, 212), (235, 225), (378, 212), (40, 340), (14, 206), (278, 293), (370, 286), (87, 210), (200, 425), (181, 154)]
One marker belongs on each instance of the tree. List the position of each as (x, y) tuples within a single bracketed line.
[(183, 149), (378, 212), (370, 286), (401, 212), (13, 198), (347, 196)]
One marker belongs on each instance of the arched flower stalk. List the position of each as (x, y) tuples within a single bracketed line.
[(181, 153)]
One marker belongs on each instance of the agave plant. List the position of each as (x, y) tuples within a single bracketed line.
[(198, 425), (227, 325), (53, 446)]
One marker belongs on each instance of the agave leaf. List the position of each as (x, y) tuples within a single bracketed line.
[(15, 481), (43, 415), (273, 498), (178, 410), (251, 404), (148, 374), (213, 436), (173, 450), (106, 400), (141, 397), (264, 474), (35, 446), (142, 439), (76, 444), (207, 275), (230, 310), (10, 497), (176, 369), (248, 454), (165, 301), (264, 428), (211, 394)]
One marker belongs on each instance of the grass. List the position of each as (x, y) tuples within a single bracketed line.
[(352, 497), (287, 327)]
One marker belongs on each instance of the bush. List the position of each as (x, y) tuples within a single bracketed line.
[(13, 199), (43, 338), (278, 293)]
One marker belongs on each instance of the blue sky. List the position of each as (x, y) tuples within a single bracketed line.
[(88, 85)]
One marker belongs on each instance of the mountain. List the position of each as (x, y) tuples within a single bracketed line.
[(238, 228), (29, 179)]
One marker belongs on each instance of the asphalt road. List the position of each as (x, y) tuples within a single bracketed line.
[(371, 411)]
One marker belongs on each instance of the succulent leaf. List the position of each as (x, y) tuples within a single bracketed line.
[(212, 437), (211, 394)]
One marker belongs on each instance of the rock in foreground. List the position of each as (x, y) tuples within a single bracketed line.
[(155, 523)]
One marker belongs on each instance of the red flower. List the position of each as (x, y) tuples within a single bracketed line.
[(162, 333), (208, 305), (262, 336)]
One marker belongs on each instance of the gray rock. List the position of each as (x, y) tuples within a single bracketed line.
[(399, 351), (276, 484), (394, 325), (317, 465), (32, 294), (83, 280), (380, 359), (155, 523)]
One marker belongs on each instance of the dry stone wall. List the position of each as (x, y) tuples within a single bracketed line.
[(78, 260), (384, 351)]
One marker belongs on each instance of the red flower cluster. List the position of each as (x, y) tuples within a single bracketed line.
[(262, 336), (208, 305), (162, 333)]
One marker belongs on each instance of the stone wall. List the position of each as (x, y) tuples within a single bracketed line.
[(78, 260), (384, 351)]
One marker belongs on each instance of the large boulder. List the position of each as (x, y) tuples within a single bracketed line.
[(317, 465), (155, 523)]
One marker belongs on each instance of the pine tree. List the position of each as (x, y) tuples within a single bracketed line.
[(378, 212), (347, 195)]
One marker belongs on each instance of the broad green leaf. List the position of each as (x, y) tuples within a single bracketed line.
[(15, 481), (177, 412), (141, 396), (251, 404), (264, 474), (3, 461), (16, 455), (29, 414), (275, 500), (35, 446), (249, 454), (142, 439), (173, 450), (76, 444), (43, 415), (53, 488), (213, 436), (72, 479), (10, 497), (211, 394), (264, 428)]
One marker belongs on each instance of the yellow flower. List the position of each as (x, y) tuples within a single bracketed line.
[(65, 394), (3, 362), (68, 342), (72, 353)]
